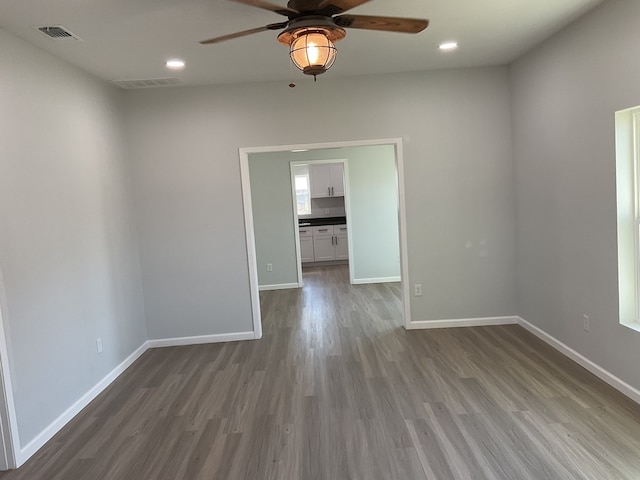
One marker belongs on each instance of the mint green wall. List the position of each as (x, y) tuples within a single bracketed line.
[(373, 224), (272, 204)]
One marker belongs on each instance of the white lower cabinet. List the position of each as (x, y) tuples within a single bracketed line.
[(306, 245), (329, 242), (323, 248), (341, 244), (306, 249), (342, 247)]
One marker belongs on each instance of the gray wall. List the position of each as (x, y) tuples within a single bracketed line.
[(68, 250), (458, 176), (68, 256), (564, 95)]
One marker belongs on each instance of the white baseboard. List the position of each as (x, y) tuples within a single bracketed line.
[(279, 286), (181, 341), (364, 281), (43, 437), (24, 453), (604, 375), (38, 442), (462, 322)]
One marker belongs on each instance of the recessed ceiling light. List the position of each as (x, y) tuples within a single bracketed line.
[(175, 64), (448, 46)]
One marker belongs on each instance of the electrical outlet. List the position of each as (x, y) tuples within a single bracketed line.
[(99, 345), (269, 267), (417, 289), (585, 322)]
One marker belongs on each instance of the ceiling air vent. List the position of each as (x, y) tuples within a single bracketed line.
[(146, 83), (57, 32)]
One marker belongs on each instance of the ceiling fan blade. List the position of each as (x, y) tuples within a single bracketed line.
[(339, 6), (272, 26), (387, 24), (286, 11)]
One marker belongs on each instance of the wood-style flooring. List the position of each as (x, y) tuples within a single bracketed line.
[(337, 389)]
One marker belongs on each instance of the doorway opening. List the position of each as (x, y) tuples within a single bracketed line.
[(320, 194), (257, 175)]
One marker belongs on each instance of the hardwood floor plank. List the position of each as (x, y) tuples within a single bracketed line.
[(459, 456), (203, 446), (337, 389), (435, 458)]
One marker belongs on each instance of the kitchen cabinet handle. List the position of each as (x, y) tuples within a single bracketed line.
[(323, 230), (329, 191)]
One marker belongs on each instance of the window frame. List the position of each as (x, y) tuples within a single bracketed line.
[(307, 210), (635, 123), (627, 151)]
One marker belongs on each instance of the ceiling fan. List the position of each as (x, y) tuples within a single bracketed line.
[(313, 26)]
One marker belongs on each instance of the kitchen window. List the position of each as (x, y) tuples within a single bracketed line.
[(303, 193)]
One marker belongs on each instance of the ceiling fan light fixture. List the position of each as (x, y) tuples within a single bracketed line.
[(312, 51)]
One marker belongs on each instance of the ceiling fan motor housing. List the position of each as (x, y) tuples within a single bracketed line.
[(297, 26)]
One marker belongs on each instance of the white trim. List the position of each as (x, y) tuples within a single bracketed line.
[(54, 427), (244, 152), (349, 217), (279, 286), (635, 326), (365, 281), (320, 146), (635, 122), (251, 243), (402, 225), (199, 340), (12, 457), (296, 226), (463, 322), (604, 375), (627, 150)]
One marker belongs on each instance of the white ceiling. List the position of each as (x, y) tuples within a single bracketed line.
[(131, 39)]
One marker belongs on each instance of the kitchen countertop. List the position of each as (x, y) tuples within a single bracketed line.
[(315, 222)]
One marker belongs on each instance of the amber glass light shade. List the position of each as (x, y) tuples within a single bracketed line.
[(312, 52)]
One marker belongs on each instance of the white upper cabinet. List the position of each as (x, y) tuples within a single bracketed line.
[(337, 179), (327, 180)]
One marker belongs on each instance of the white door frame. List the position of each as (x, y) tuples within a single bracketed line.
[(296, 231), (10, 453), (244, 153)]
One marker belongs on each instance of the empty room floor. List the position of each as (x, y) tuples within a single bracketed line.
[(338, 389)]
